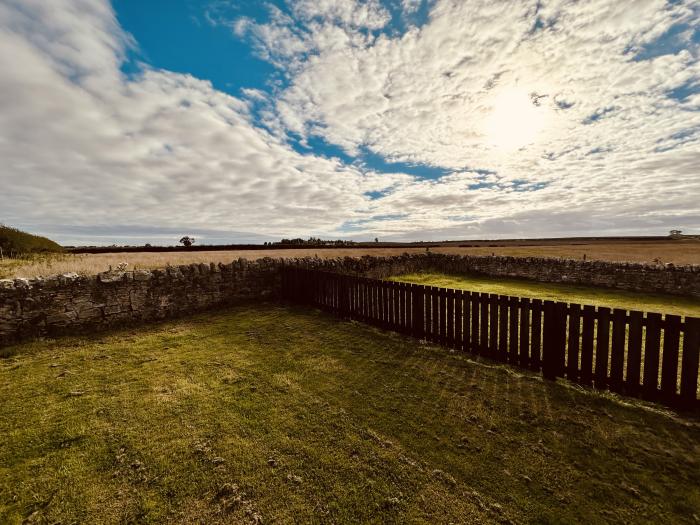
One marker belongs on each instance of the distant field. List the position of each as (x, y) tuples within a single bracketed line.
[(560, 292), (273, 414), (677, 252)]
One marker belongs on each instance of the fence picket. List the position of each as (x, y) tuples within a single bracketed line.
[(401, 292), (669, 360), (689, 366), (366, 300), (651, 356), (617, 357), (513, 321), (395, 305), (554, 339), (459, 320), (450, 314), (433, 316), (524, 357), (484, 329), (442, 298), (475, 324), (467, 316), (502, 328), (572, 368), (385, 304), (587, 333), (492, 346), (407, 313), (601, 349), (388, 307), (634, 353), (376, 305), (536, 346)]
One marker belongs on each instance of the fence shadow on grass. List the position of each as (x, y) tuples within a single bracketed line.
[(646, 355)]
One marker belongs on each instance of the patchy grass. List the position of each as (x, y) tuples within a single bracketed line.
[(288, 415), (670, 304)]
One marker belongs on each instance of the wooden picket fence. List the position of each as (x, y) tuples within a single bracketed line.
[(646, 355)]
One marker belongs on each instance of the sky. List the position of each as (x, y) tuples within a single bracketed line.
[(139, 121)]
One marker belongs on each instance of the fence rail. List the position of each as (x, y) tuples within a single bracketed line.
[(646, 355)]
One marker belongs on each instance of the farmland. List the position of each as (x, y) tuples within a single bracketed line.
[(672, 251), (275, 414)]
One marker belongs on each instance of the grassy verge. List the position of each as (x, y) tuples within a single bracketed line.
[(279, 414), (560, 292)]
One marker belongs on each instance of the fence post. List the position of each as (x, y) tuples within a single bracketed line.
[(554, 340)]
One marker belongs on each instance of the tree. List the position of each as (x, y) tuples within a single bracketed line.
[(376, 239), (187, 241)]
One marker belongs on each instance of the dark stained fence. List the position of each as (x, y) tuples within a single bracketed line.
[(638, 354)]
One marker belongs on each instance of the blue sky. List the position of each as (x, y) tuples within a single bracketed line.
[(195, 38), (180, 36), (129, 121)]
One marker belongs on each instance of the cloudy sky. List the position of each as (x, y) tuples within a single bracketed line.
[(236, 120)]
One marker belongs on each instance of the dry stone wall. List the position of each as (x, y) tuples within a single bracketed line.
[(73, 304), (662, 278)]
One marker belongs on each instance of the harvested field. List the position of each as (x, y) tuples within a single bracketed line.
[(677, 252), (279, 414)]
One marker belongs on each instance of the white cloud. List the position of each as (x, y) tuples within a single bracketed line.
[(427, 96), (368, 13), (411, 6), (84, 145)]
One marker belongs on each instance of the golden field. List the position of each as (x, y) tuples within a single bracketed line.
[(677, 252)]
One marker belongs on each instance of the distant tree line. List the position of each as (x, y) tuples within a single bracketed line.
[(311, 241)]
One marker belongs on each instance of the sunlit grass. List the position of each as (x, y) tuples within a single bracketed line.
[(560, 292), (290, 415)]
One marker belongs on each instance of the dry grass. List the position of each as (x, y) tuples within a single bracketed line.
[(677, 252)]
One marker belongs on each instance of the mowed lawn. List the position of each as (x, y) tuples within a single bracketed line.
[(667, 304), (279, 414)]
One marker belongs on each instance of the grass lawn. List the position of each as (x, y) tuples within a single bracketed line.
[(560, 292), (277, 414)]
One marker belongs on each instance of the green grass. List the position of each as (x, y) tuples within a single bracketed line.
[(288, 415), (560, 292)]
